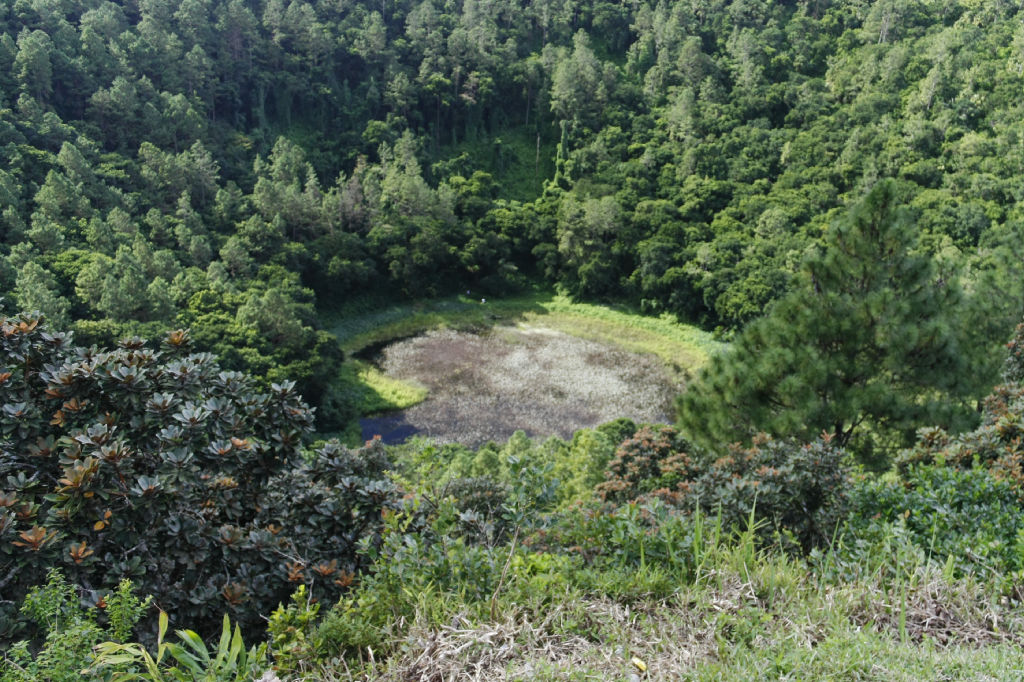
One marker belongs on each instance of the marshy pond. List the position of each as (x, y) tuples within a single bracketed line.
[(485, 386)]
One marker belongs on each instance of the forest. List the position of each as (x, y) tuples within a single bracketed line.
[(196, 194)]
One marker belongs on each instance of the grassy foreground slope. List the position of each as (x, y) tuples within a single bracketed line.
[(745, 615)]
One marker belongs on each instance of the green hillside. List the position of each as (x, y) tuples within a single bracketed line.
[(806, 210)]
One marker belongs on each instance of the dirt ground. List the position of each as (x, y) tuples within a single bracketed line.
[(485, 387)]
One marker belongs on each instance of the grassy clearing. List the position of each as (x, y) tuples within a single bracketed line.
[(364, 324), (681, 347)]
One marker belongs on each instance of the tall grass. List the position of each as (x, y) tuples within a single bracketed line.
[(733, 609)]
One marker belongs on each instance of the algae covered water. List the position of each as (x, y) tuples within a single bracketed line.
[(486, 386)]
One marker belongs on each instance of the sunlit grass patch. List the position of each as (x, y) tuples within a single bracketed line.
[(681, 347), (379, 392)]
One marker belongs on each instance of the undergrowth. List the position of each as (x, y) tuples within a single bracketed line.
[(724, 607), (667, 596)]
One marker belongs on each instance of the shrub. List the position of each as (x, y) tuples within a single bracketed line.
[(964, 518), (577, 465), (421, 558), (797, 490), (997, 444), (959, 495), (291, 632), (157, 465), (956, 498), (630, 536), (1013, 367), (580, 465), (68, 631), (434, 555), (482, 503), (651, 461), (190, 660), (794, 490)]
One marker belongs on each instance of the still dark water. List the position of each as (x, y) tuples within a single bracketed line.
[(392, 428)]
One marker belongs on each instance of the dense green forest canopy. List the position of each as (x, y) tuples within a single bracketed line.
[(225, 165)]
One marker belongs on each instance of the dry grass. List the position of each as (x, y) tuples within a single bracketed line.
[(931, 608), (761, 623), (588, 640)]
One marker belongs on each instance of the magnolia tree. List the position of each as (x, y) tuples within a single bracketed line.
[(155, 464)]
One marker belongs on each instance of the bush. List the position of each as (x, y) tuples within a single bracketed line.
[(482, 480), (423, 561), (964, 518), (631, 536), (1013, 367), (793, 490), (68, 632), (958, 496), (649, 462), (436, 553), (997, 444), (157, 465), (190, 660), (798, 491)]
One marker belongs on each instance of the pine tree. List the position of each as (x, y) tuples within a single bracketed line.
[(36, 289), (863, 345)]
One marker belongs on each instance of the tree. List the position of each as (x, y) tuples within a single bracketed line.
[(273, 314), (586, 230), (864, 342), (32, 64), (578, 87), (36, 289), (59, 198)]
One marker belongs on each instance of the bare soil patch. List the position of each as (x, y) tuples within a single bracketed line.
[(486, 386)]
